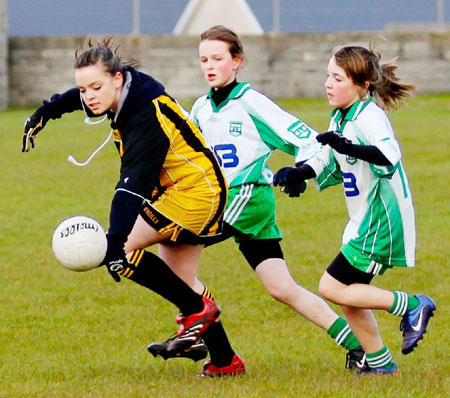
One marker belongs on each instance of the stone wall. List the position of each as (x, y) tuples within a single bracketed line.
[(282, 66), (3, 55)]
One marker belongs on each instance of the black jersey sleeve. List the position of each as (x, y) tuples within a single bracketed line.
[(59, 104), (368, 153), (125, 208)]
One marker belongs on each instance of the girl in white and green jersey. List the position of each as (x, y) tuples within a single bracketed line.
[(244, 127), (361, 152)]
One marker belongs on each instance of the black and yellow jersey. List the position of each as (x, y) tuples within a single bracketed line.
[(164, 158)]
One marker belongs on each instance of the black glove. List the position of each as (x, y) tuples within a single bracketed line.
[(33, 125), (288, 176), (291, 180), (336, 141), (294, 190), (115, 259)]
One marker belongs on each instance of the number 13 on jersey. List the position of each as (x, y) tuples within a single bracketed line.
[(227, 155)]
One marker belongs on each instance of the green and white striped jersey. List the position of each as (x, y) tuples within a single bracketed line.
[(245, 129), (381, 229)]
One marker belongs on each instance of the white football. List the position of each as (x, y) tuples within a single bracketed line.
[(79, 243)]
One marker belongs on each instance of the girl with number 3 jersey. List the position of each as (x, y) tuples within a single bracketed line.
[(361, 152)]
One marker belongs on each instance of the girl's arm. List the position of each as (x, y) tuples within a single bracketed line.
[(368, 153), (58, 105)]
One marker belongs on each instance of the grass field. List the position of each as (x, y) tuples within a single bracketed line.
[(65, 334)]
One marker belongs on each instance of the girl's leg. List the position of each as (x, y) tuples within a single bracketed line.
[(275, 276), (183, 260), (356, 295), (143, 235), (278, 281), (365, 327), (361, 320), (346, 285), (149, 270), (265, 256)]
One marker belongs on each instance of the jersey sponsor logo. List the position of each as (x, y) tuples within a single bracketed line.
[(214, 118), (299, 129), (150, 215), (235, 128), (351, 160)]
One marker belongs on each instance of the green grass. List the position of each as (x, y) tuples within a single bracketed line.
[(65, 334)]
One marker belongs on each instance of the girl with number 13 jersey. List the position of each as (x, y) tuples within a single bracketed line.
[(243, 127)]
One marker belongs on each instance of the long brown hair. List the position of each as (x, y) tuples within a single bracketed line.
[(363, 65)]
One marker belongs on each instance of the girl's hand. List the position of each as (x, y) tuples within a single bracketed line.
[(33, 125), (336, 141)]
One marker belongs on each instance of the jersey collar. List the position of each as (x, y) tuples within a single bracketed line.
[(237, 92), (352, 114)]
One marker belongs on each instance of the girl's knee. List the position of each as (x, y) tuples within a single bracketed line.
[(326, 289), (280, 291)]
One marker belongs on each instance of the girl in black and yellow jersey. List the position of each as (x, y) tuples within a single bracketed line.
[(171, 190)]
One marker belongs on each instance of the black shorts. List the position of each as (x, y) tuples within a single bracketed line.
[(258, 250), (255, 251), (341, 270)]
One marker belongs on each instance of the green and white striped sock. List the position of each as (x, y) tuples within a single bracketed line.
[(382, 358), (342, 334), (403, 303)]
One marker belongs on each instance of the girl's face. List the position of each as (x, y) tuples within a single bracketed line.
[(218, 66), (99, 89), (341, 91)]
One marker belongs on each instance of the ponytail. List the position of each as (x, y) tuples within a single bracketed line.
[(363, 66)]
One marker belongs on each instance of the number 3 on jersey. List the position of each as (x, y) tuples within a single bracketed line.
[(350, 187), (226, 153)]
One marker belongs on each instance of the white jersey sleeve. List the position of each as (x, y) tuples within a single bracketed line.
[(245, 129), (280, 128), (373, 128)]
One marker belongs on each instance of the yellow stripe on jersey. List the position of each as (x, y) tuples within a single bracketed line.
[(191, 174), (179, 111), (118, 140)]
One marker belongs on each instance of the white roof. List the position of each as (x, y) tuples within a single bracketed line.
[(200, 15)]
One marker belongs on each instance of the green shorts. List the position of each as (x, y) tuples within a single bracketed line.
[(363, 261), (251, 210)]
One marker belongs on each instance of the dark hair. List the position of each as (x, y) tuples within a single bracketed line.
[(363, 65), (106, 51), (221, 33)]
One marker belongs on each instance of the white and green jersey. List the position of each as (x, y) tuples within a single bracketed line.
[(381, 230), (244, 130)]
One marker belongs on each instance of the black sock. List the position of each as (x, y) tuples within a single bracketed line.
[(148, 270), (218, 345), (216, 340)]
